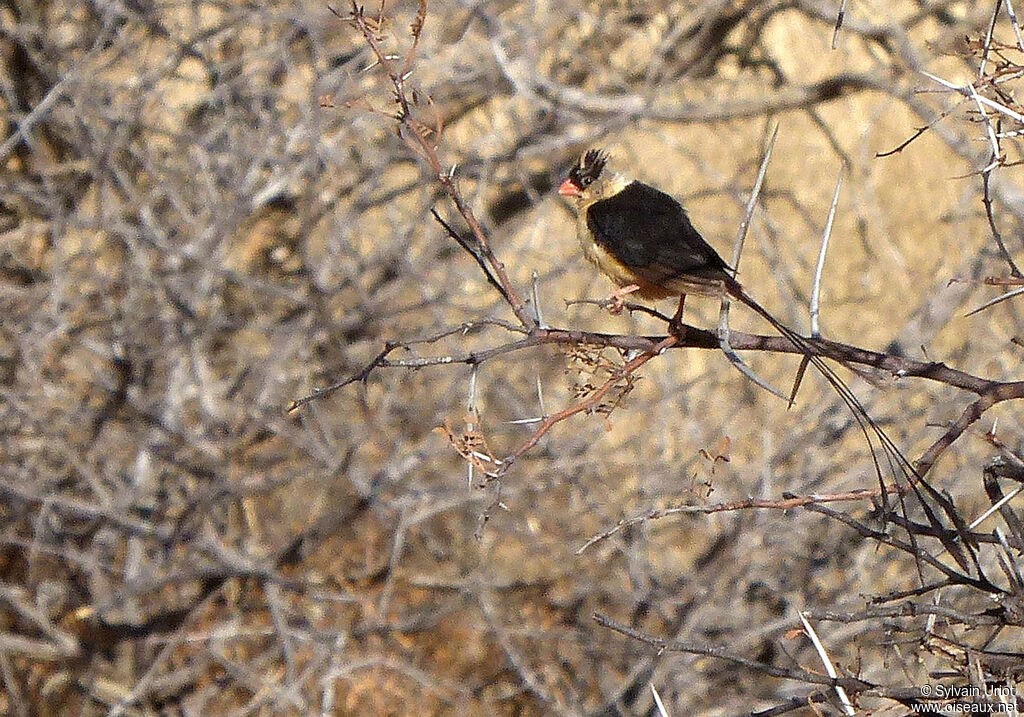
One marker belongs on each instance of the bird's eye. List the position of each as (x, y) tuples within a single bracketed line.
[(585, 181)]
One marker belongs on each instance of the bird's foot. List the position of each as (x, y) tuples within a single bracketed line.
[(616, 301)]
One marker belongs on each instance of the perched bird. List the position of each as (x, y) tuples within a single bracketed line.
[(644, 241)]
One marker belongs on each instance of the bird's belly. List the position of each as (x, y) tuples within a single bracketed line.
[(621, 274)]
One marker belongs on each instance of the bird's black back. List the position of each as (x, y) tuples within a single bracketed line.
[(649, 232)]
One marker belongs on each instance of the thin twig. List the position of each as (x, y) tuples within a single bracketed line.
[(477, 256), (362, 375), (819, 267), (417, 135), (988, 40), (996, 152), (986, 198), (998, 300), (840, 17), (1015, 24), (787, 502), (793, 673), (537, 313), (967, 91), (827, 662), (723, 315), (470, 415), (755, 193), (741, 366), (657, 701), (628, 306)]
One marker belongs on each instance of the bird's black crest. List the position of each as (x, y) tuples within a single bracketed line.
[(589, 169)]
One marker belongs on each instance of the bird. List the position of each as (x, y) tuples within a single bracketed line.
[(644, 241)]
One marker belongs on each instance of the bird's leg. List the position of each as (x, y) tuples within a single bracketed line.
[(675, 326), (615, 301)]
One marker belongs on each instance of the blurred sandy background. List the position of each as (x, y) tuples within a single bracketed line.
[(201, 222)]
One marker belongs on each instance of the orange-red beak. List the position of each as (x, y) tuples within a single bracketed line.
[(568, 189)]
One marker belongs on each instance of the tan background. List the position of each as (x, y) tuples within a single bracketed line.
[(203, 221)]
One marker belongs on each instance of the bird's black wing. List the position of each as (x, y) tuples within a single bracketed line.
[(649, 232)]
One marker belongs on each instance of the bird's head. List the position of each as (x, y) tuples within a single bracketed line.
[(589, 182)]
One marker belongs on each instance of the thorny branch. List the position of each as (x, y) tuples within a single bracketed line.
[(423, 139), (910, 695), (990, 392)]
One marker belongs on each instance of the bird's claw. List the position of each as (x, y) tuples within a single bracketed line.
[(616, 302)]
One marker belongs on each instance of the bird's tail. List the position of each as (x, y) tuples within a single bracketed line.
[(898, 464), (899, 467)]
